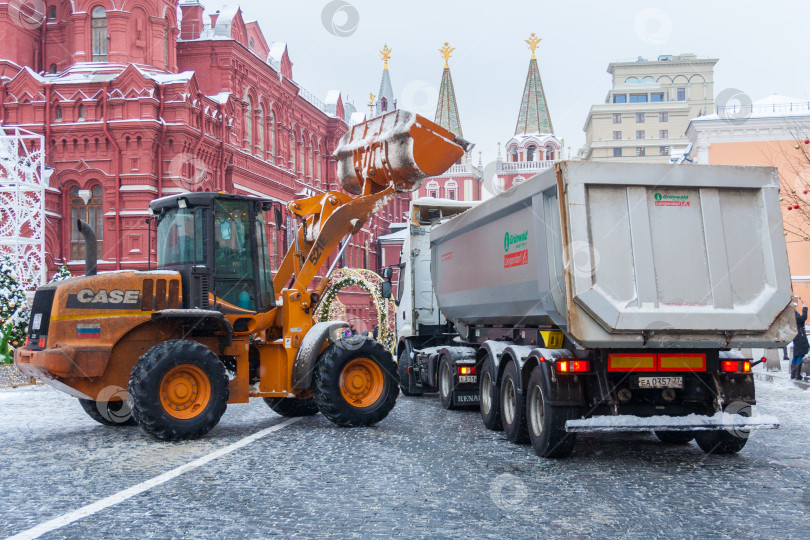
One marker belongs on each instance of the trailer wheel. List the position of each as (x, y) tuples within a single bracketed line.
[(179, 390), (108, 413), (489, 401), (546, 423), (513, 408), (675, 437), (724, 442), (356, 387), (291, 407), (446, 385), (406, 379)]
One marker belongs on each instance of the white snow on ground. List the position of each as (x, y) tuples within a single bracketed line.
[(36, 410), (694, 422)]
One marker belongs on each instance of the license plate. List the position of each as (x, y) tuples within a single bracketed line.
[(660, 382), (468, 378)]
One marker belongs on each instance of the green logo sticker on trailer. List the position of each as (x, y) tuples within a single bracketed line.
[(671, 200), (515, 240)]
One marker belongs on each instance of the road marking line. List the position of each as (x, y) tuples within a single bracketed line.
[(121, 496)]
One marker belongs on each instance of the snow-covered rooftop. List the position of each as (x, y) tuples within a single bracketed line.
[(775, 105)]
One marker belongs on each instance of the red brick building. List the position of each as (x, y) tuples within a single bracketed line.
[(134, 104)]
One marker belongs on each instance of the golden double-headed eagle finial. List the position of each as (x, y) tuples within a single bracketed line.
[(533, 41), (371, 97), (446, 52), (385, 54)]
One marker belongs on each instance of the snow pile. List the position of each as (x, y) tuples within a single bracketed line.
[(691, 422)]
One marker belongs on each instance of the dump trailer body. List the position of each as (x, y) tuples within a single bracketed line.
[(623, 255)]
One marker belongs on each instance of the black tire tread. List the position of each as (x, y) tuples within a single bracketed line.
[(518, 431), (492, 420), (327, 393), (291, 407), (446, 401), (147, 409), (404, 362)]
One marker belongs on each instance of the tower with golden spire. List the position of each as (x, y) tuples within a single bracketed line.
[(446, 108), (385, 101)]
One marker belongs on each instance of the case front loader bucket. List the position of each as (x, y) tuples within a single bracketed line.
[(399, 148)]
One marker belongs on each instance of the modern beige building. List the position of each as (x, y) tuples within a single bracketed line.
[(646, 113)]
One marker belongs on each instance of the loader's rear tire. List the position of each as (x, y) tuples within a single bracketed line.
[(675, 437), (546, 423), (489, 401), (513, 406), (291, 408), (179, 390), (446, 386), (108, 413), (406, 380), (357, 386)]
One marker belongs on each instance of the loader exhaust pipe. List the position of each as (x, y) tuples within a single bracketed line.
[(90, 247)]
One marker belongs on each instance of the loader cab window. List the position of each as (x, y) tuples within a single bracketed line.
[(264, 269), (233, 254), (180, 237)]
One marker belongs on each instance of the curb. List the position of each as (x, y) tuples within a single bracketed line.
[(773, 378)]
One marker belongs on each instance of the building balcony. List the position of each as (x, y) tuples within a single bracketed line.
[(525, 166), (463, 169)]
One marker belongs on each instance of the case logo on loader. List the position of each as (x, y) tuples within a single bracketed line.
[(101, 299)]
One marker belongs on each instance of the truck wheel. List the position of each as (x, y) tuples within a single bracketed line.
[(179, 390), (546, 423), (513, 409), (725, 441), (406, 380), (108, 413), (290, 407), (675, 437), (446, 379), (356, 387), (489, 396)]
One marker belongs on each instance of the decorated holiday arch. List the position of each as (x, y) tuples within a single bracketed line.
[(331, 308)]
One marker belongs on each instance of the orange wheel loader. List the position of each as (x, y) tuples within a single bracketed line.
[(212, 325)]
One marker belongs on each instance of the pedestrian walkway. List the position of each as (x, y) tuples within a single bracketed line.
[(783, 375)]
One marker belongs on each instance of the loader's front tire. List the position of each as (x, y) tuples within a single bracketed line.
[(179, 390), (292, 408), (675, 437), (356, 386), (108, 413), (546, 423)]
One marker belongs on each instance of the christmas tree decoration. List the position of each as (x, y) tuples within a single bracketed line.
[(14, 311), (61, 274)]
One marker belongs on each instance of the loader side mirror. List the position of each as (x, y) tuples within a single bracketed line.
[(386, 289), (387, 273)]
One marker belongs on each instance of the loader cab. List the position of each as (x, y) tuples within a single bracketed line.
[(218, 244)]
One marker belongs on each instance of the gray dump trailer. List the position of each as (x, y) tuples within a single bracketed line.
[(615, 296)]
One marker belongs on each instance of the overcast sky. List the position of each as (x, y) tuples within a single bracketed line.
[(762, 49)]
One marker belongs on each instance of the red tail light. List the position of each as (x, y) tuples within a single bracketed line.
[(746, 366), (573, 366), (42, 342), (27, 340), (466, 370), (735, 366)]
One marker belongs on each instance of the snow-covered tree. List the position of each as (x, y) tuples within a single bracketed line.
[(61, 274), (14, 312)]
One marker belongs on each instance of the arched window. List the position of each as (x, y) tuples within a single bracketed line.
[(99, 34), (311, 159), (293, 151), (451, 190), (81, 114), (432, 189), (550, 153), (259, 147), (58, 113), (272, 134), (248, 140), (513, 154), (51, 12), (319, 160), (85, 204), (302, 147), (383, 104), (530, 150), (52, 68), (166, 44)]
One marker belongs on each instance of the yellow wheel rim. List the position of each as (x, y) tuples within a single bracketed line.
[(185, 391), (361, 382)]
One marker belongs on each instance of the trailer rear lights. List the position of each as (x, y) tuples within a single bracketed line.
[(466, 370), (631, 362), (42, 342), (735, 366), (27, 341), (682, 362), (573, 366)]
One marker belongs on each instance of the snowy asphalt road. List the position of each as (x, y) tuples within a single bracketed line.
[(423, 471)]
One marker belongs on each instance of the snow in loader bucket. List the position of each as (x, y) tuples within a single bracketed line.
[(691, 422)]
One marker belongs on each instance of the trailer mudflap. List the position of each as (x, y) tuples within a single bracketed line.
[(691, 422)]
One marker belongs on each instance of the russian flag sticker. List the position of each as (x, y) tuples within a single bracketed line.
[(88, 331)]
